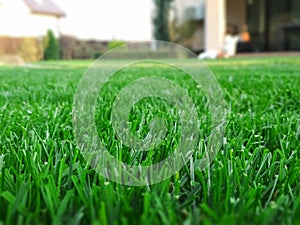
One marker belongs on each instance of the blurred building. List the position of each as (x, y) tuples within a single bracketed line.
[(23, 25), (29, 18), (273, 25)]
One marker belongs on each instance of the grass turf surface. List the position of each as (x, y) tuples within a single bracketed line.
[(253, 180)]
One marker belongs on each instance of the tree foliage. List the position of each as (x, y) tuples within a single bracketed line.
[(161, 20)]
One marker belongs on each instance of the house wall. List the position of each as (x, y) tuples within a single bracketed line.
[(16, 20), (198, 38), (236, 12), (218, 13), (41, 24)]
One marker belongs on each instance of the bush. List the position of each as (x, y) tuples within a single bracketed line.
[(30, 50), (97, 55), (114, 44), (51, 47)]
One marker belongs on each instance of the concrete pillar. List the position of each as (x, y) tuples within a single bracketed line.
[(215, 24)]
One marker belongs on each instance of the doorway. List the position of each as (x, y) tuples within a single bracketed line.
[(274, 25)]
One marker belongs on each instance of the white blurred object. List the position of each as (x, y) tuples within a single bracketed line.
[(210, 54), (229, 45)]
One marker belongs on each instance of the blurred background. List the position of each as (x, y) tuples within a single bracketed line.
[(33, 30)]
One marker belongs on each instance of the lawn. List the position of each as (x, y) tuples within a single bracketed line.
[(254, 179)]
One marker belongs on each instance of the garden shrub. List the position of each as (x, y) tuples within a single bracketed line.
[(31, 50), (115, 43), (51, 47)]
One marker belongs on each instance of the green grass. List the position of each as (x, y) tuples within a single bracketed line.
[(253, 180)]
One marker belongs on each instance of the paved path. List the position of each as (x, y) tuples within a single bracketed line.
[(267, 54)]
